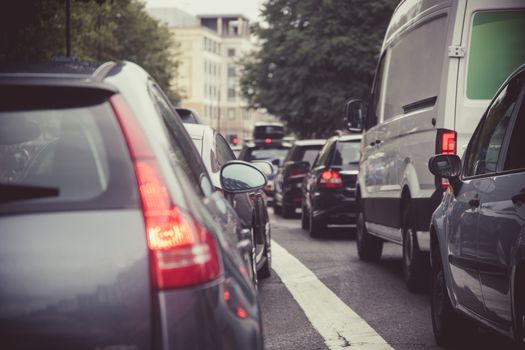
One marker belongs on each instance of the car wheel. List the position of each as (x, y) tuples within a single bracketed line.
[(315, 227), (519, 307), (254, 264), (416, 264), (369, 248), (304, 219), (446, 323), (266, 269), (287, 211), (277, 209)]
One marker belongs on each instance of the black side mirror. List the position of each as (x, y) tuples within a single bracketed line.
[(238, 177), (447, 166), (354, 115)]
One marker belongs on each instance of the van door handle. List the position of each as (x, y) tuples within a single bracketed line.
[(520, 197)]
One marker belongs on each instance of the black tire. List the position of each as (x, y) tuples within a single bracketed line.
[(266, 270), (447, 325), (315, 227), (287, 211), (369, 248), (519, 307), (304, 219), (277, 209), (416, 264)]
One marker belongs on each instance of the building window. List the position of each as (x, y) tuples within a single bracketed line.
[(231, 70), (231, 94), (231, 52), (231, 113)]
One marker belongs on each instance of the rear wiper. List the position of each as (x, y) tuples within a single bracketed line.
[(17, 192)]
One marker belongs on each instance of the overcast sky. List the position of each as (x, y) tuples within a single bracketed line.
[(249, 8)]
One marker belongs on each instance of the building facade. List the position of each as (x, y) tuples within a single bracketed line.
[(209, 48)]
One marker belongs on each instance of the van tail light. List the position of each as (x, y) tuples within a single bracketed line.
[(446, 143), (330, 179), (182, 252)]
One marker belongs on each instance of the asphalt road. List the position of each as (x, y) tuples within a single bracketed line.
[(375, 291)]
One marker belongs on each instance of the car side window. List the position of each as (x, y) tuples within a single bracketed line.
[(515, 158), (485, 147), (324, 154), (180, 155), (224, 152)]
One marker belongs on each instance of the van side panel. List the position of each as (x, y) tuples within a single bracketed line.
[(405, 137)]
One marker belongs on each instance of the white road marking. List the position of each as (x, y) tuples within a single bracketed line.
[(338, 324)]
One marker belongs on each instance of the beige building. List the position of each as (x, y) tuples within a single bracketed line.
[(209, 49)]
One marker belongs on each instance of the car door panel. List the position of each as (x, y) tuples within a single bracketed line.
[(462, 248)]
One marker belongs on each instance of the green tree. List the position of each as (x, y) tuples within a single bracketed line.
[(101, 31), (313, 56)]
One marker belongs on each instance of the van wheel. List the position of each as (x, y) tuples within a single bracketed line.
[(369, 247), (304, 219), (416, 264), (447, 325), (315, 226)]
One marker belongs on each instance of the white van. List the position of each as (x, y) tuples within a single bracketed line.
[(440, 65)]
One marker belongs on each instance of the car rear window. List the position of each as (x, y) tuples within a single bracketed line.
[(274, 155), (64, 159), (347, 154)]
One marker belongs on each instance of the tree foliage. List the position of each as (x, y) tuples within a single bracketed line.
[(314, 55), (100, 31)]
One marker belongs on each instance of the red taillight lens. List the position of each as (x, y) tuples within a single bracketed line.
[(330, 179), (448, 142), (182, 253), (268, 140)]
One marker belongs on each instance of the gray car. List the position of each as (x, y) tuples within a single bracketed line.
[(478, 230), (111, 233)]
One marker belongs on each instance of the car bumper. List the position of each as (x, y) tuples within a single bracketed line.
[(335, 209)]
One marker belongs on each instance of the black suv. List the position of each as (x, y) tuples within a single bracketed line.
[(264, 147), (289, 178), (329, 189)]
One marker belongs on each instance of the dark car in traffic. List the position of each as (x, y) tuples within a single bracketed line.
[(478, 231), (329, 188), (269, 149), (289, 178), (250, 206), (112, 235)]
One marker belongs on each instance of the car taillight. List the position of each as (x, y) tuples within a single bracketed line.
[(182, 252), (330, 179), (446, 143)]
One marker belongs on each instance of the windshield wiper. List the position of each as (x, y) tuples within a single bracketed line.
[(17, 192)]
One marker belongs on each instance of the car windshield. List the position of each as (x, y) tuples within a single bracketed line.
[(75, 154)]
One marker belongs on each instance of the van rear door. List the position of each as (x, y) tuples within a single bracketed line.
[(494, 46)]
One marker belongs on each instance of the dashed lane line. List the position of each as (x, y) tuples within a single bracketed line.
[(337, 323)]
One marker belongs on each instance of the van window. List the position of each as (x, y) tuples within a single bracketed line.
[(414, 72), (374, 109), (484, 150), (497, 48)]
